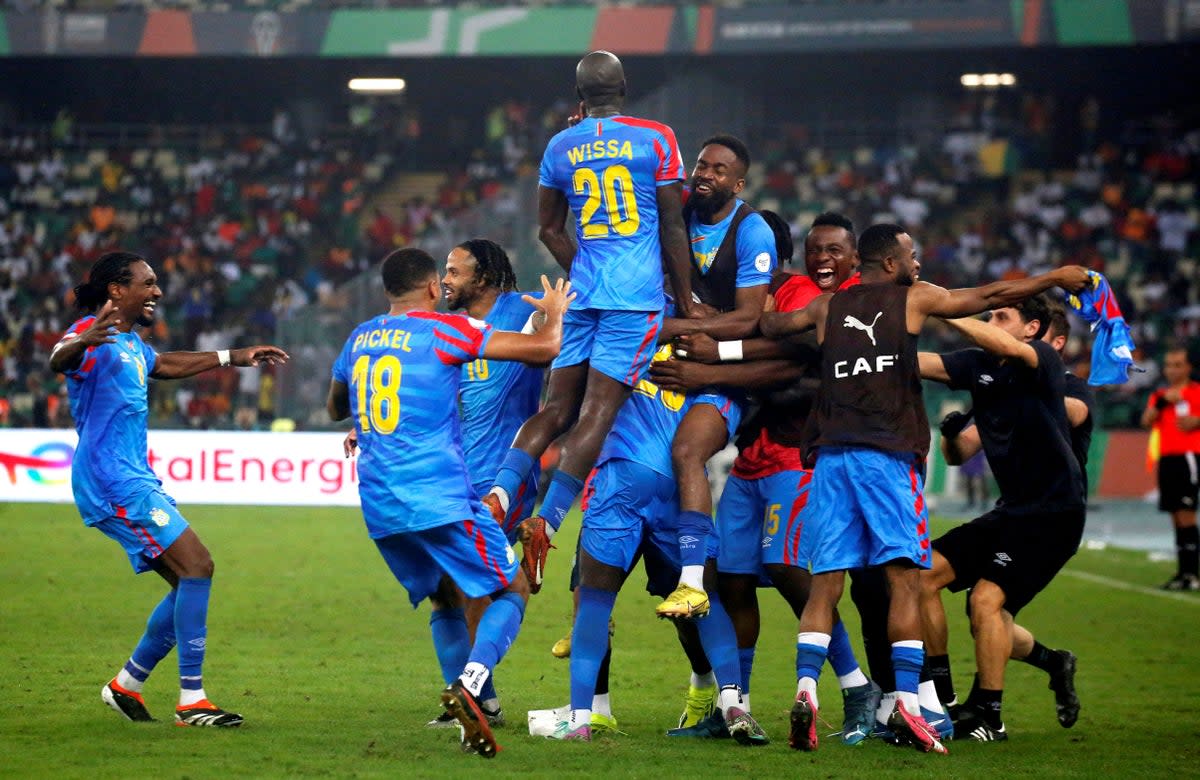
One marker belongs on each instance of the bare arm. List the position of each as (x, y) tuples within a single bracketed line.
[(1153, 410), (775, 325), (180, 365), (932, 367), (961, 448), (684, 376), (929, 300), (552, 226), (1077, 412), (337, 404), (703, 348), (736, 324), (992, 339), (672, 235)]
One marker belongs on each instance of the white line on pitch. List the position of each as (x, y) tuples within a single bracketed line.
[(1121, 585)]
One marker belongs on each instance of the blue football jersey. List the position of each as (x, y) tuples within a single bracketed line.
[(110, 406), (497, 397), (646, 424), (610, 169), (755, 244), (403, 374)]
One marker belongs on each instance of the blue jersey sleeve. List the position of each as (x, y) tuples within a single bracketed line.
[(755, 252), (341, 366), (88, 362), (546, 171)]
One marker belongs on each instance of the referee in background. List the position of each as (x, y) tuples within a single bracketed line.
[(1174, 412)]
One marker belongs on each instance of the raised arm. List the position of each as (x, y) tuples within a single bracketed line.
[(552, 225), (932, 367), (672, 235), (928, 300), (67, 354), (541, 346), (179, 365), (992, 339)]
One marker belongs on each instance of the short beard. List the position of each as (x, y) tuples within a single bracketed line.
[(705, 206)]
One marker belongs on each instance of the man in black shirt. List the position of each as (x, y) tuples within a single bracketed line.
[(960, 444), (1017, 384)]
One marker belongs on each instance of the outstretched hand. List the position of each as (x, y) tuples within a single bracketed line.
[(253, 356), (555, 299), (102, 328)]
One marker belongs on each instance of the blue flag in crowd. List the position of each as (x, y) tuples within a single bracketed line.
[(1112, 349)]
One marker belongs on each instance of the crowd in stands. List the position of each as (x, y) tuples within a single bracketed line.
[(245, 230), (241, 227)]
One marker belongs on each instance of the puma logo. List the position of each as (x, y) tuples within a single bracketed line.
[(854, 322)]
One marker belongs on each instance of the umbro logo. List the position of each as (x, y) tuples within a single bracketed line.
[(857, 324), (986, 379), (688, 541), (1002, 559), (766, 542)]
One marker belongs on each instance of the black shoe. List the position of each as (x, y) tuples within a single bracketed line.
[(205, 713), (128, 703), (1182, 582), (1066, 702), (971, 725), (476, 734)]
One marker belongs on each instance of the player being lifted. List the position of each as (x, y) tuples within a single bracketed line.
[(733, 256), (870, 418), (622, 178), (108, 367), (398, 377)]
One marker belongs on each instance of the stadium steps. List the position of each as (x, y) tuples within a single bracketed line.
[(394, 196)]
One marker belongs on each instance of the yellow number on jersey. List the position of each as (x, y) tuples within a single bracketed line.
[(620, 204), (379, 409), (771, 520), (477, 369)]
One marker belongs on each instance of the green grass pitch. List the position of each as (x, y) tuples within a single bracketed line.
[(315, 643)]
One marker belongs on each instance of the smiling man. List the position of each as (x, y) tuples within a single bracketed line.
[(107, 366)]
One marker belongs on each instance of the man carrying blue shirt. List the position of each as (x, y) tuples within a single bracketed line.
[(733, 259), (107, 366), (398, 377), (622, 178)]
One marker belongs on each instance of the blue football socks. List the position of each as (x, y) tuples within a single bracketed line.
[(589, 643), (559, 498), (191, 629)]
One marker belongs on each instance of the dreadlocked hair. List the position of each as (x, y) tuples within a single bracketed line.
[(491, 263), (111, 268)]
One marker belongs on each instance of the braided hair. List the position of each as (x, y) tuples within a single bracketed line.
[(491, 263), (111, 268)]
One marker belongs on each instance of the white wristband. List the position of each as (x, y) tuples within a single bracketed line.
[(729, 350), (223, 357)]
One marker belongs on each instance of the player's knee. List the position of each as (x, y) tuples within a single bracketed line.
[(687, 456), (986, 602)]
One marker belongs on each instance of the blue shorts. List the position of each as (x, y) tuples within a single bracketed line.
[(868, 508), (521, 505), (731, 407), (473, 553), (759, 522), (145, 526), (632, 510), (618, 344)]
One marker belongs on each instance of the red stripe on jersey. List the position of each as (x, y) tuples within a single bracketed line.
[(447, 358), (472, 349), (670, 162), (652, 336), (459, 323), (82, 324), (88, 364)]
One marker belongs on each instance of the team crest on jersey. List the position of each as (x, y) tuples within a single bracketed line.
[(512, 556), (159, 517)]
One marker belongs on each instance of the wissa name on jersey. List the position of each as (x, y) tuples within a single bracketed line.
[(600, 150)]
